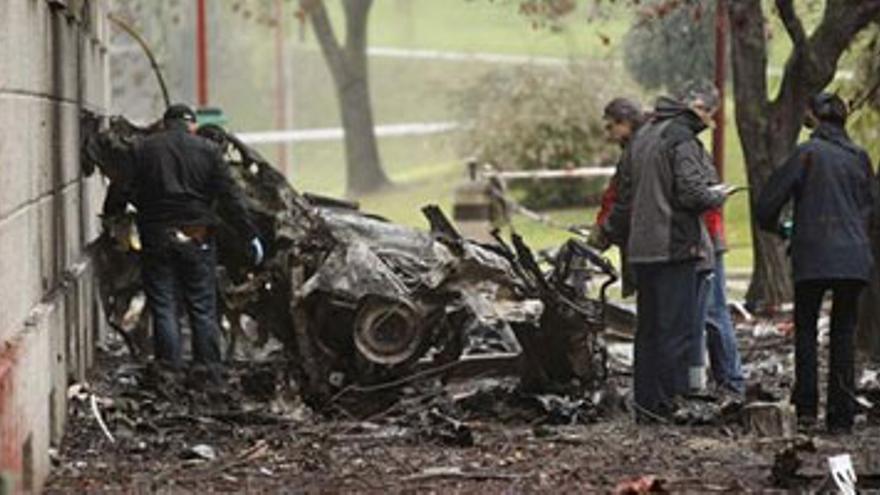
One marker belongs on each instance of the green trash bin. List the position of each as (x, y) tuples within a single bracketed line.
[(211, 115)]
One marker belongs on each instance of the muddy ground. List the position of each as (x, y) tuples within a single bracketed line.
[(175, 434)]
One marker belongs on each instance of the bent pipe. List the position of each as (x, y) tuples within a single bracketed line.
[(149, 53)]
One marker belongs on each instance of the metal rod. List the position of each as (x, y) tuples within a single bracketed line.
[(201, 55), (149, 53)]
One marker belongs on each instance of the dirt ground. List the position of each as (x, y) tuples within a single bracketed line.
[(173, 434)]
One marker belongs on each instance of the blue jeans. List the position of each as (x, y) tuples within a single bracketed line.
[(172, 270), (667, 317), (724, 360)]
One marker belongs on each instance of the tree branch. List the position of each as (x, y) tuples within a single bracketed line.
[(317, 12), (792, 23), (813, 64)]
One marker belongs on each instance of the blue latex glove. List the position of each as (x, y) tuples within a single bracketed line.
[(786, 228), (257, 248)]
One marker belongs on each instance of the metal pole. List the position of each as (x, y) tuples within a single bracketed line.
[(280, 84), (201, 55), (720, 76)]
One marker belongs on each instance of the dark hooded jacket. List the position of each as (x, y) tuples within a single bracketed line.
[(831, 182), (664, 188), (176, 179)]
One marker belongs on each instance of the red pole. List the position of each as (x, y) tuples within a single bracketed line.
[(720, 77), (280, 84), (201, 55)]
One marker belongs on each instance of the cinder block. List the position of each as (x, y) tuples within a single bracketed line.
[(73, 224), (19, 268), (38, 53), (95, 190), (24, 27), (10, 452), (44, 146), (88, 321), (57, 140), (50, 249), (33, 386), (18, 181), (83, 335), (58, 367), (72, 332), (70, 142)]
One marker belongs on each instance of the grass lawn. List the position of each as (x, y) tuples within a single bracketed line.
[(489, 26)]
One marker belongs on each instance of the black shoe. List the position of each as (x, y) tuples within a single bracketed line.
[(806, 423), (839, 428), (202, 375)]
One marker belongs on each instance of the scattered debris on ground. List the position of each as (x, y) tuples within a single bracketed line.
[(367, 356), (477, 434)]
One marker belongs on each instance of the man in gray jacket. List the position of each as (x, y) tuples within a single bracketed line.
[(666, 183)]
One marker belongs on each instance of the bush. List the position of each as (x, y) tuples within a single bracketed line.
[(865, 90), (534, 118)]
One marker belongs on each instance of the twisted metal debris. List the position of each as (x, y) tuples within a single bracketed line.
[(359, 302)]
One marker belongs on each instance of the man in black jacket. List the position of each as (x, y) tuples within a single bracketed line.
[(665, 183), (174, 180), (831, 182)]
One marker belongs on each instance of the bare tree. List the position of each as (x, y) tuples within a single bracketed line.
[(349, 68), (768, 128)]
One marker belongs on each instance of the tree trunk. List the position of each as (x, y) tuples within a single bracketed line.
[(770, 277), (768, 129), (349, 67), (869, 306), (364, 167)]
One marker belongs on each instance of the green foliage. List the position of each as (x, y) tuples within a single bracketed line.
[(667, 47), (538, 118), (865, 121)]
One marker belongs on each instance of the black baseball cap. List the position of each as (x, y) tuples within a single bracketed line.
[(829, 107), (179, 111)]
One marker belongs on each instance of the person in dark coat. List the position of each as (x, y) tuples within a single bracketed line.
[(666, 183), (830, 181), (174, 180), (623, 118)]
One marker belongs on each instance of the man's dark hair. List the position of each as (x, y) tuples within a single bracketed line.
[(700, 89), (179, 112), (624, 110), (828, 107)]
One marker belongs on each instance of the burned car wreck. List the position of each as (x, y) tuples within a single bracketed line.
[(359, 302)]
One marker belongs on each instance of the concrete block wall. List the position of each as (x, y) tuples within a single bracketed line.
[(53, 56)]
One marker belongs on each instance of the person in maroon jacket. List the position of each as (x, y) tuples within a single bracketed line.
[(623, 118)]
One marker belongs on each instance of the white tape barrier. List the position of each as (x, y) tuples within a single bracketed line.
[(495, 58), (553, 174), (337, 133)]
